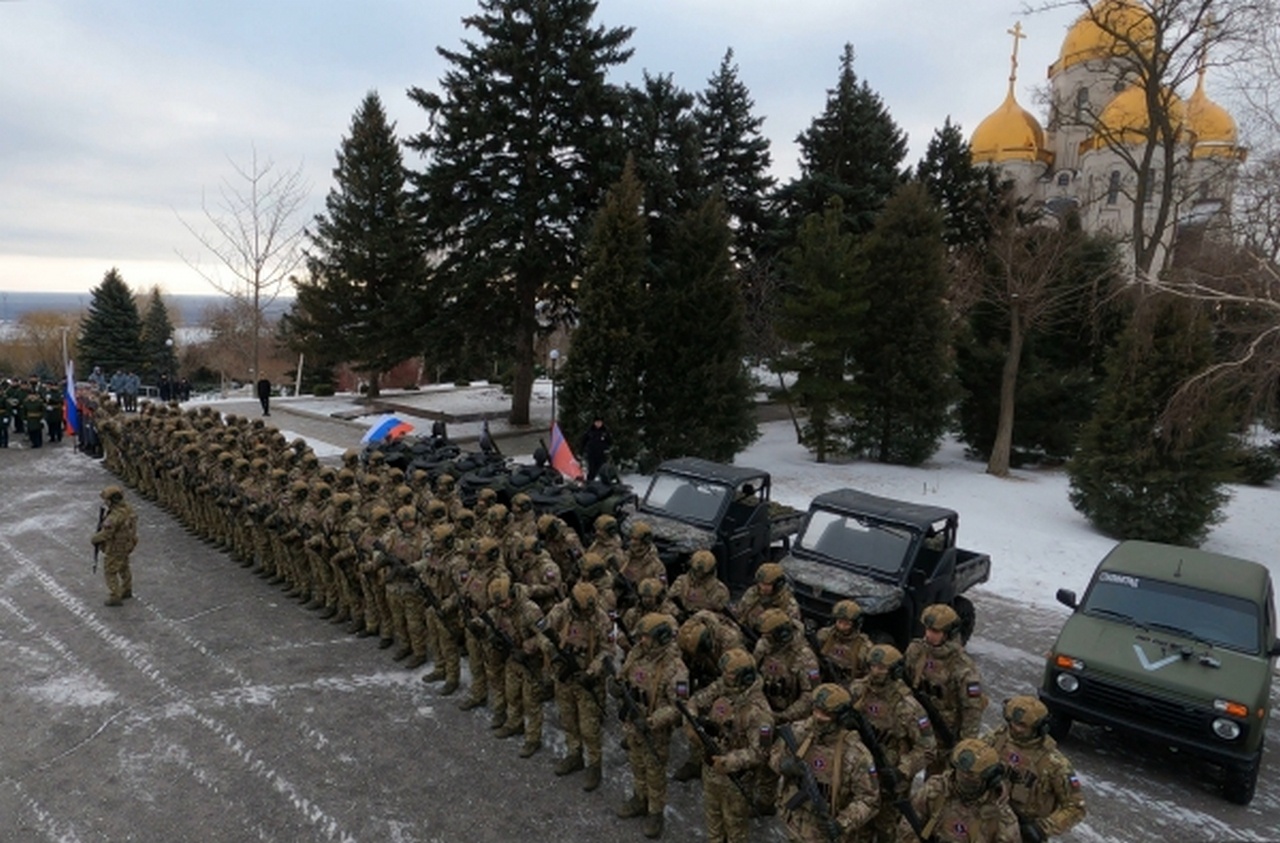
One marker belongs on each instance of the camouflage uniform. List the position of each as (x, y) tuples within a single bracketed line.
[(947, 675), (520, 648), (698, 588), (444, 565), (117, 537), (581, 629), (953, 812), (487, 666), (1044, 790), (842, 652)]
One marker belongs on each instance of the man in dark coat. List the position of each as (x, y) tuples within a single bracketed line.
[(264, 395), (595, 446)]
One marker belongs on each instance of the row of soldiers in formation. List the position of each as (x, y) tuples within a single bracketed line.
[(825, 728), (29, 407)]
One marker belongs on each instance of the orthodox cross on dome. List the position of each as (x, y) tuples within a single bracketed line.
[(1018, 35)]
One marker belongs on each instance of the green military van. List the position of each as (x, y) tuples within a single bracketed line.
[(1175, 645)]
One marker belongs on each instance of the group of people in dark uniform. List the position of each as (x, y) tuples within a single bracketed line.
[(840, 737), (32, 407)]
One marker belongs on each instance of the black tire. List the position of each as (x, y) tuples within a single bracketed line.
[(1240, 781), (968, 617), (1059, 726)]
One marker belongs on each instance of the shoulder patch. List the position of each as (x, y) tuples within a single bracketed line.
[(814, 675), (974, 689), (682, 689), (1073, 780), (924, 723)]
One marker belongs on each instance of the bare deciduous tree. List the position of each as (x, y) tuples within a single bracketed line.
[(255, 235)]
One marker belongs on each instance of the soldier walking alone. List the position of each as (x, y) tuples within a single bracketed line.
[(117, 537)]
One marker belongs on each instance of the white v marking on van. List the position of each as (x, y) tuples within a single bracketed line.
[(1150, 665)]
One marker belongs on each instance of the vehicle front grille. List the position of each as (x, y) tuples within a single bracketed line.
[(1132, 704)]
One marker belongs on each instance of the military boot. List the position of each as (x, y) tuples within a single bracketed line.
[(436, 674), (505, 729), (341, 616), (592, 780), (449, 687), (356, 627), (636, 806), (472, 702), (113, 601), (126, 594), (385, 643), (329, 611), (530, 748), (688, 771), (315, 603), (402, 654), (653, 825), (415, 662), (571, 763)]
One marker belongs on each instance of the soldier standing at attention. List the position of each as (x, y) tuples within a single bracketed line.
[(1044, 791), (117, 537), (941, 672), (33, 410), (967, 803)]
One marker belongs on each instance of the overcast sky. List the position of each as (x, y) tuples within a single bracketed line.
[(115, 117)]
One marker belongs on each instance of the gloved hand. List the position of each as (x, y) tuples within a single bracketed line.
[(1031, 831), (792, 767), (833, 829)]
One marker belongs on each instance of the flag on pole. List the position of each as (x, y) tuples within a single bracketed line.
[(388, 427), (71, 412), (562, 459)]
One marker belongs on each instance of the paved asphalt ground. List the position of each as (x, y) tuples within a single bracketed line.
[(212, 708)]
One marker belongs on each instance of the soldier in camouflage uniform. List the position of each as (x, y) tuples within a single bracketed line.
[(790, 672), (408, 609), (651, 596), (699, 588), (1044, 791), (938, 669), (377, 611), (116, 538), (967, 803), (487, 667), (516, 635), (534, 568), (901, 727), (654, 677), (703, 639), (736, 716), (641, 561), (523, 520), (840, 766), (607, 543), (770, 591), (444, 565), (843, 646), (563, 545), (581, 638)]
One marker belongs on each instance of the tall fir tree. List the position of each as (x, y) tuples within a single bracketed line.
[(823, 302), (604, 370), (968, 195), (901, 347), (736, 158), (519, 152), (111, 333), (697, 393), (361, 301), (853, 150), (156, 340), (1139, 474)]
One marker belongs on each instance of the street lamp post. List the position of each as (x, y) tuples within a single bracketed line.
[(555, 355), (168, 346)]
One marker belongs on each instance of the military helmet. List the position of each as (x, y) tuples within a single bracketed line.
[(548, 525), (259, 465), (226, 458), (831, 699), (694, 636), (941, 618), (310, 460), (847, 610), (660, 628), (593, 566), (489, 549), (652, 589), (328, 473), (530, 544), (642, 532), (403, 494), (770, 573), (1026, 710), (607, 525), (406, 513), (346, 477), (702, 564), (776, 625), (466, 519), (112, 493), (497, 514), (299, 488), (322, 490), (521, 503), (738, 668), (242, 466), (977, 767), (396, 475), (343, 501), (585, 596), (500, 589), (486, 496), (350, 457), (373, 482), (886, 655), (376, 458), (437, 509), (444, 483), (442, 535), (381, 515)]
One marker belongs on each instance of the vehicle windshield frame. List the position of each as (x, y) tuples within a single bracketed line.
[(1222, 620), (856, 542), (701, 501)]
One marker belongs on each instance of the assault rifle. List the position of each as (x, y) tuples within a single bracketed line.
[(711, 749), (503, 641), (940, 727), (809, 790), (97, 548), (629, 708), (888, 774)]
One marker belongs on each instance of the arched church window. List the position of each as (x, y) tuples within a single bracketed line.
[(1113, 188), (1082, 104)]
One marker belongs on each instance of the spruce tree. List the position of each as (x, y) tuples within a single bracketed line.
[(823, 304), (157, 332), (604, 370), (111, 333), (967, 194), (735, 157), (1139, 474), (361, 300), (697, 393), (520, 150), (853, 150), (901, 347)]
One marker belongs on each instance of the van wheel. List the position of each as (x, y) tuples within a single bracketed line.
[(968, 617), (1059, 726), (1240, 781)]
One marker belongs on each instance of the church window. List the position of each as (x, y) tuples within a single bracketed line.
[(1064, 179), (1113, 188), (1082, 105)]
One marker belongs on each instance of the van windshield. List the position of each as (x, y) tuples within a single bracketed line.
[(856, 543), (1218, 619)]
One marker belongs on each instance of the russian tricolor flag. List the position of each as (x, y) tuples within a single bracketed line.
[(389, 427), (70, 412), (562, 459)]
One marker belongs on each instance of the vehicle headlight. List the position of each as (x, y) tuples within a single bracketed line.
[(1068, 682), (1226, 729)]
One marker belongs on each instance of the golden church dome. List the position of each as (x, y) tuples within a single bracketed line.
[(1211, 128), (1126, 120), (1106, 31), (1010, 133)]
